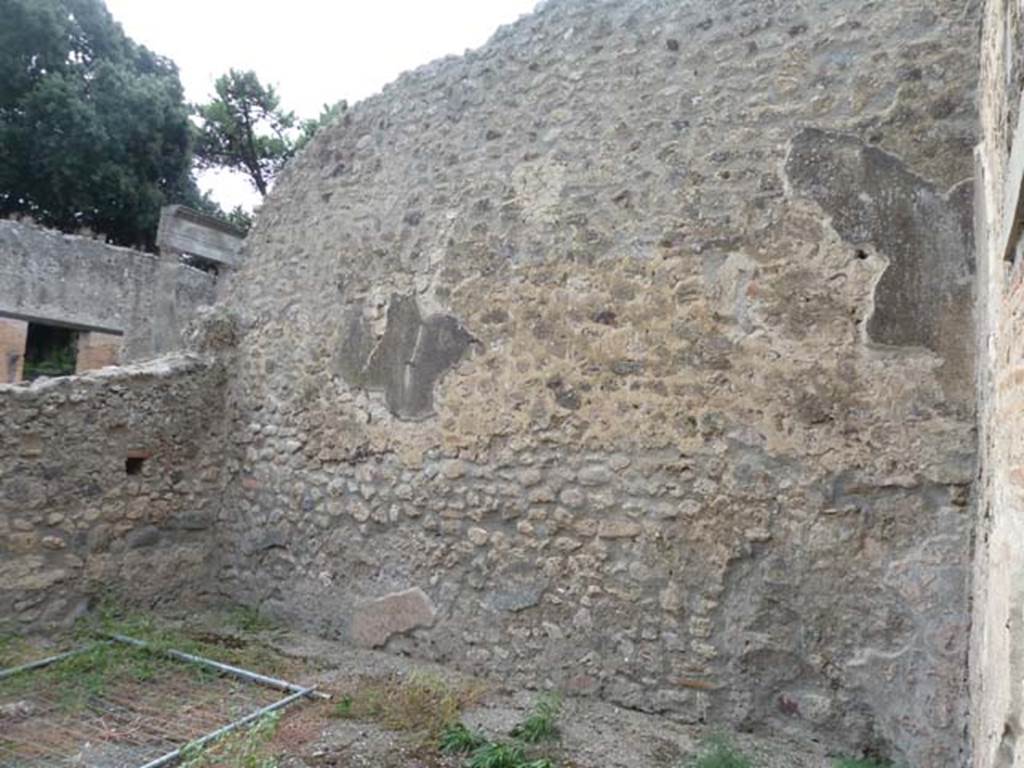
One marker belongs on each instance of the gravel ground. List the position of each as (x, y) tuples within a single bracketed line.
[(594, 734)]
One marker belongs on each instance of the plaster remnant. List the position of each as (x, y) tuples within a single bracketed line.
[(926, 235), (411, 357)]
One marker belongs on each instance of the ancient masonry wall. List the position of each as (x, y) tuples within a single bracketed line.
[(632, 354), (997, 650), (111, 483), (48, 276)]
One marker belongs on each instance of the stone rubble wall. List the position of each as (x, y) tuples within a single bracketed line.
[(74, 525), (632, 354), (997, 647), (64, 279)]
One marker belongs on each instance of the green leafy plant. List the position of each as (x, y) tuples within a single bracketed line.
[(497, 755), (94, 127), (457, 738), (718, 752), (541, 723)]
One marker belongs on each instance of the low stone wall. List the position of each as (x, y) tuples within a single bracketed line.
[(51, 277), (110, 483)]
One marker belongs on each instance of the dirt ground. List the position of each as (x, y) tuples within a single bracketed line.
[(593, 734), (384, 711)]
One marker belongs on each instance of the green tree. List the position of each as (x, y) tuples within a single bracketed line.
[(244, 129), (94, 129)]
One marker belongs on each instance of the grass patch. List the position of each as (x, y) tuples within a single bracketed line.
[(110, 618), (541, 724), (497, 755), (14, 650), (718, 752), (84, 676), (458, 739), (244, 748), (98, 670), (421, 704)]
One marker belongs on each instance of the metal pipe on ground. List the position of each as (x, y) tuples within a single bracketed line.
[(171, 757), (244, 674), (11, 671)]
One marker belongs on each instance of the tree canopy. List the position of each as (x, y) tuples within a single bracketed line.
[(95, 132), (244, 128), (94, 128)]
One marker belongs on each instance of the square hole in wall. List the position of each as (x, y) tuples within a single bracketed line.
[(133, 465)]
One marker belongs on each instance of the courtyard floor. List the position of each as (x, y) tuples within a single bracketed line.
[(384, 711)]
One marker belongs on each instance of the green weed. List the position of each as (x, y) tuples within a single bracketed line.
[(541, 723), (457, 738), (497, 755), (343, 708), (718, 752)]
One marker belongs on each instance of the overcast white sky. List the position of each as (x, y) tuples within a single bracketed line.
[(313, 51)]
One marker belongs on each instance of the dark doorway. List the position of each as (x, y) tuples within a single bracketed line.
[(49, 351)]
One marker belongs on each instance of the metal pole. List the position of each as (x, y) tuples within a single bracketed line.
[(244, 674), (170, 757), (10, 672)]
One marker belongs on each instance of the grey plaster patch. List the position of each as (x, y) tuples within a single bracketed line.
[(374, 622), (924, 296), (411, 357)]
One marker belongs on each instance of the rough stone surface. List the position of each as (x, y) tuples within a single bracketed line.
[(716, 431), (376, 621), (74, 524), (997, 647)]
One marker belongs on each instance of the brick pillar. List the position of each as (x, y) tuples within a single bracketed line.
[(96, 350), (12, 349)]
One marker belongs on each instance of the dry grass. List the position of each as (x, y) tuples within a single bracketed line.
[(16, 650), (420, 704)]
